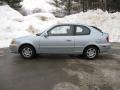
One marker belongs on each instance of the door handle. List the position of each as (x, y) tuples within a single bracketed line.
[(68, 40)]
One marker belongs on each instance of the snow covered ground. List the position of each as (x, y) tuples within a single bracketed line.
[(13, 24)]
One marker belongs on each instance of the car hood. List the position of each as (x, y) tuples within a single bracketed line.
[(26, 38)]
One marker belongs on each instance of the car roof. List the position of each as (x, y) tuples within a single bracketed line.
[(71, 24)]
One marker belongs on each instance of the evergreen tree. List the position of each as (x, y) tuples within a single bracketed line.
[(74, 6), (116, 5), (13, 3), (65, 5), (56, 3)]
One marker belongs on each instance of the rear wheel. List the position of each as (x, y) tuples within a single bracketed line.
[(27, 51), (91, 52)]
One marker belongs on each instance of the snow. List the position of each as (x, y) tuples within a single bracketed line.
[(10, 25), (30, 5), (9, 13), (39, 21), (13, 24)]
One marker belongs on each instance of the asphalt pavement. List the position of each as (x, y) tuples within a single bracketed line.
[(60, 72)]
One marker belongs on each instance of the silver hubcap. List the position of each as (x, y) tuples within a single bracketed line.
[(27, 52), (91, 52)]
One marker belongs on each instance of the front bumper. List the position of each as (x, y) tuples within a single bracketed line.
[(14, 48)]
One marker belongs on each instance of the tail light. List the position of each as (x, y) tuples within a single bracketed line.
[(107, 38)]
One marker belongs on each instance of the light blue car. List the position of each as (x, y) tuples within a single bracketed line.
[(71, 39)]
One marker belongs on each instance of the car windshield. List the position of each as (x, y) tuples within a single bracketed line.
[(96, 28), (46, 29)]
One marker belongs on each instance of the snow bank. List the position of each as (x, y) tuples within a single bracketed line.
[(39, 21), (9, 13), (43, 5), (10, 25), (13, 24)]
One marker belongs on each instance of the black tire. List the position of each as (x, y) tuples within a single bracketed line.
[(94, 52), (31, 51)]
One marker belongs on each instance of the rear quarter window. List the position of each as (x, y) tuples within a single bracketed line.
[(82, 30)]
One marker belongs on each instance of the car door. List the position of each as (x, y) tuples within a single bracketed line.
[(82, 37), (60, 39)]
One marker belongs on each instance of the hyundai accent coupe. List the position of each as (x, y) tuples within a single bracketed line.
[(71, 39)]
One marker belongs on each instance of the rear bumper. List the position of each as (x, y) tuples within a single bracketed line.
[(104, 48)]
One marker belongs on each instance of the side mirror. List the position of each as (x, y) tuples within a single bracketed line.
[(46, 35)]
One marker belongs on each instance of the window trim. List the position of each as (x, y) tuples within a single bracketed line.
[(72, 31), (75, 28)]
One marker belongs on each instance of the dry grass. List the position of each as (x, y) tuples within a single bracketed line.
[(43, 18), (31, 29)]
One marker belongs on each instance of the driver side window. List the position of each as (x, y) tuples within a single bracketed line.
[(60, 31)]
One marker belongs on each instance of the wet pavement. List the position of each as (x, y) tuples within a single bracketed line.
[(60, 72)]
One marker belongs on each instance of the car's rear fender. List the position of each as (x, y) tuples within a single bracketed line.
[(91, 45)]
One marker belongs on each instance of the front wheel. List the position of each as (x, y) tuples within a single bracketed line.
[(27, 51), (91, 52)]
